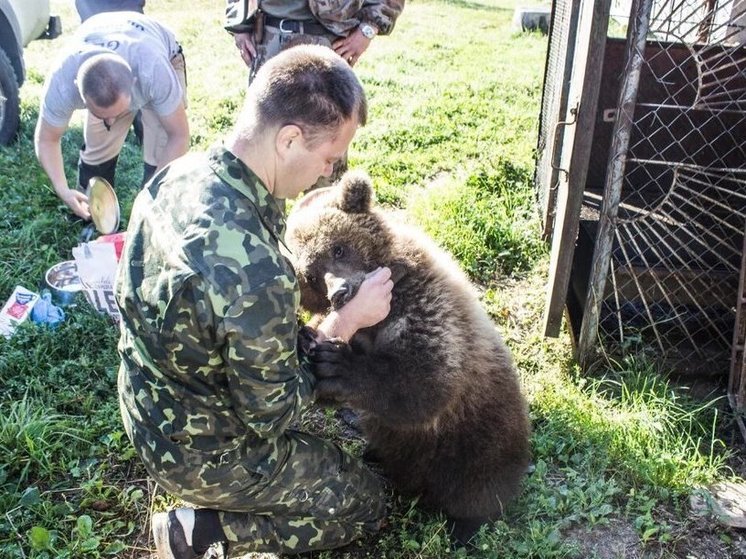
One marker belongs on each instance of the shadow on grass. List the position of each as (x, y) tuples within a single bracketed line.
[(475, 6)]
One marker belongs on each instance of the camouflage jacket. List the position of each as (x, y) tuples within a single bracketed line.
[(338, 16), (209, 324)]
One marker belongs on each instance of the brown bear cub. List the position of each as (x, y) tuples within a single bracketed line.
[(434, 385)]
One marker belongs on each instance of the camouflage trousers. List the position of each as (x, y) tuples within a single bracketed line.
[(272, 43), (274, 40), (302, 494)]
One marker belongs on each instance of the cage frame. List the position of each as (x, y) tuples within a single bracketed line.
[(721, 95)]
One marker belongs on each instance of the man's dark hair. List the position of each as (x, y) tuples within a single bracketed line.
[(103, 78), (310, 86)]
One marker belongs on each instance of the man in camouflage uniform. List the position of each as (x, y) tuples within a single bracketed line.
[(211, 379), (261, 28)]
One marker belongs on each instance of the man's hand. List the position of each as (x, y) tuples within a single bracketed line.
[(246, 46), (372, 302), (48, 147), (77, 202), (352, 47), (370, 305)]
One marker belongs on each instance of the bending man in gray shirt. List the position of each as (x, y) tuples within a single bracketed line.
[(88, 8), (119, 63)]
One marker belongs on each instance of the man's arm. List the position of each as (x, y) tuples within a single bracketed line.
[(379, 16), (238, 22), (238, 14), (48, 147), (382, 14), (176, 126), (269, 385)]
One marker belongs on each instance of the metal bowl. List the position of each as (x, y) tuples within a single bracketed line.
[(63, 282)]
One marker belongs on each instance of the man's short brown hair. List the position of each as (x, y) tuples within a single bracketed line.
[(103, 78), (309, 86)]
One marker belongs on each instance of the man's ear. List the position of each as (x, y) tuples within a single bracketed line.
[(287, 138)]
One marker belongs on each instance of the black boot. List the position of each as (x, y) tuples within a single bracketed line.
[(105, 170)]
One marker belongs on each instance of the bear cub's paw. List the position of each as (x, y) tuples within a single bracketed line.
[(333, 360)]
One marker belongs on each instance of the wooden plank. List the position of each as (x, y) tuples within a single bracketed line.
[(576, 150), (636, 40), (737, 379), (677, 287)]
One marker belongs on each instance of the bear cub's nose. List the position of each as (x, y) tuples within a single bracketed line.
[(338, 290)]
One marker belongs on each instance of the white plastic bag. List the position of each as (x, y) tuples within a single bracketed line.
[(97, 269)]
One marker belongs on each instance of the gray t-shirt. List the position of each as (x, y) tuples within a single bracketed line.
[(146, 45), (88, 8)]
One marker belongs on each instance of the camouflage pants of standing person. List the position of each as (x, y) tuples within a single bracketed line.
[(317, 497), (273, 42)]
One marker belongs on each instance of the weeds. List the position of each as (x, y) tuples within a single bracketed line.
[(33, 441)]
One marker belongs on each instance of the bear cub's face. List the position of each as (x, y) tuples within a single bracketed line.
[(336, 240)]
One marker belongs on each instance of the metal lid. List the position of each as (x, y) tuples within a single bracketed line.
[(103, 205)]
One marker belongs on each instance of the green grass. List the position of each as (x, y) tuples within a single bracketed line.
[(485, 220), (454, 100)]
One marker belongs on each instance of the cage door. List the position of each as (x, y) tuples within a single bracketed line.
[(577, 134), (556, 85)]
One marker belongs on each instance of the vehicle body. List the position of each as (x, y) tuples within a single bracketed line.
[(21, 21)]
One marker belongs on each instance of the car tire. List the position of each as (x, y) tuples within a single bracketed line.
[(10, 110)]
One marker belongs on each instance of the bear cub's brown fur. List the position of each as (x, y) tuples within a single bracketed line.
[(434, 385)]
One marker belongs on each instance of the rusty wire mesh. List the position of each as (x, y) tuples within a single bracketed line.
[(553, 104), (678, 230)]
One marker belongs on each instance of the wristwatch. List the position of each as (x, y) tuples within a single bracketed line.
[(368, 31)]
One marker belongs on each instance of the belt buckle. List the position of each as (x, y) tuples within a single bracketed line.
[(281, 26)]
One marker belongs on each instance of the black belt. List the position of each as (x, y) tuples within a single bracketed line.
[(307, 27)]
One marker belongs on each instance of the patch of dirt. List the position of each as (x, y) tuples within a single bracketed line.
[(696, 538), (699, 538), (614, 540)]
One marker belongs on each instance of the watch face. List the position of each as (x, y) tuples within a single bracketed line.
[(367, 31)]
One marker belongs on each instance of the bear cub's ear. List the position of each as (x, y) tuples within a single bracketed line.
[(355, 193)]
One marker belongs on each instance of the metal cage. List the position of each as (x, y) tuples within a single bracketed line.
[(652, 208)]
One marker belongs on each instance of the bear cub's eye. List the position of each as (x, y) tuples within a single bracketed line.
[(338, 252)]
